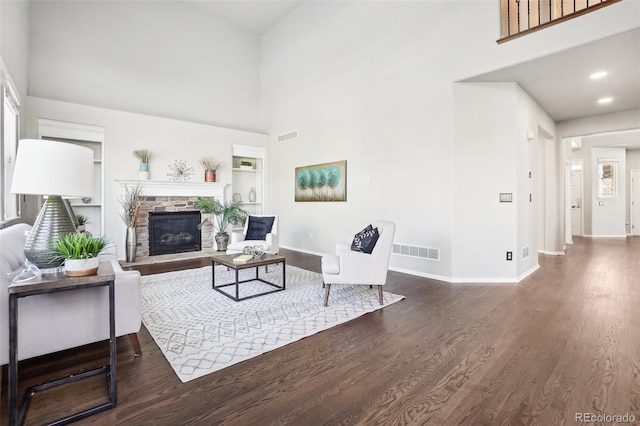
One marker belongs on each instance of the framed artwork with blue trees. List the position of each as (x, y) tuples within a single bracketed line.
[(322, 182)]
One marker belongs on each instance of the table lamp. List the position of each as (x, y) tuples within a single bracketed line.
[(55, 170)]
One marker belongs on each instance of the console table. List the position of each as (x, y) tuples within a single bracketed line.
[(51, 284)]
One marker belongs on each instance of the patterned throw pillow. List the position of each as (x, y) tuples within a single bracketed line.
[(365, 240)]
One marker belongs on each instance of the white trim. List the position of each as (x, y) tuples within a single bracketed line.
[(315, 253), (633, 202), (65, 130), (166, 188), (249, 151), (6, 80), (551, 253), (420, 274), (440, 277)]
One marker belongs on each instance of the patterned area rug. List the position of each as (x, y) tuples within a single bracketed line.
[(201, 331)]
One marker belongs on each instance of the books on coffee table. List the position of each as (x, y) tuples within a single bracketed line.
[(243, 258)]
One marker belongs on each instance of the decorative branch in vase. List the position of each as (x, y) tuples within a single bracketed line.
[(144, 155), (131, 203), (210, 167)]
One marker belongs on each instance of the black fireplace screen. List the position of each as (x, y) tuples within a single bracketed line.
[(174, 232)]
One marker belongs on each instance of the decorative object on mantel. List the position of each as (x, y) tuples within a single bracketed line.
[(246, 165), (131, 202), (237, 197), (210, 166), (322, 182), (180, 172), (86, 200), (144, 155), (225, 215), (80, 253), (252, 195)]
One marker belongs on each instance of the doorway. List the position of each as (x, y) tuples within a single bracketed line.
[(576, 198)]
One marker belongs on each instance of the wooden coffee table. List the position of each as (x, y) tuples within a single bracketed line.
[(264, 260)]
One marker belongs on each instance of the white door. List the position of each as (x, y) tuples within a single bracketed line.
[(635, 202), (576, 202)]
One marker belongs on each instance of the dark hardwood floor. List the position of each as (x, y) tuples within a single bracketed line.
[(564, 341)]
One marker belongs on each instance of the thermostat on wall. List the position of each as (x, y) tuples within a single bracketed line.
[(506, 197)]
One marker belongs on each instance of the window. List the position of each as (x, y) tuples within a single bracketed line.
[(607, 178), (9, 134)]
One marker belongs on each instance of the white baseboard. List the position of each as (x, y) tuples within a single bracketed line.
[(316, 253), (500, 280), (551, 253)]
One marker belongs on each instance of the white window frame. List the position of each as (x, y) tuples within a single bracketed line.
[(11, 101), (607, 170)]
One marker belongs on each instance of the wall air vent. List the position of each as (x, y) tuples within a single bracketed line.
[(288, 136), (428, 253), (525, 252)]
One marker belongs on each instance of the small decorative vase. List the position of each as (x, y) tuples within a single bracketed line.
[(131, 244), (222, 240), (143, 173), (81, 267), (209, 175), (252, 195)]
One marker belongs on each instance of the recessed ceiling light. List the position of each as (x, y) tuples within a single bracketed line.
[(605, 100), (598, 75)]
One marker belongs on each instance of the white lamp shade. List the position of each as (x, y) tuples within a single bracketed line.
[(46, 167)]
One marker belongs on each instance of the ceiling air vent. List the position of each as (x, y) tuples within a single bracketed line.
[(288, 136)]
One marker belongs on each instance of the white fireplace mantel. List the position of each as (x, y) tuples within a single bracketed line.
[(168, 188)]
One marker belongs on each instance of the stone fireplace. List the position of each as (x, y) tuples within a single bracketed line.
[(171, 197)]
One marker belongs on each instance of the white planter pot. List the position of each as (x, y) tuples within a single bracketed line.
[(81, 267)]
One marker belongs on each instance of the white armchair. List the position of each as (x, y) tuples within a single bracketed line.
[(259, 229), (353, 267), (54, 322)]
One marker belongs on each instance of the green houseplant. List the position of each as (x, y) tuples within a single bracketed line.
[(225, 214), (82, 222), (80, 253)]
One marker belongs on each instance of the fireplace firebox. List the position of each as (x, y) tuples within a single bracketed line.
[(174, 232)]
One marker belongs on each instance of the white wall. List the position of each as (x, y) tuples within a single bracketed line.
[(540, 227), (485, 152), (493, 154), (169, 140), (602, 123), (14, 43), (372, 83), (598, 127), (163, 58)]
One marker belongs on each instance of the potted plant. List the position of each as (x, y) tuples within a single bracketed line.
[(80, 253), (226, 214), (144, 155), (210, 166), (82, 222)]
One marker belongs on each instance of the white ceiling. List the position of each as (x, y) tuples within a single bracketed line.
[(257, 16), (559, 83)]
